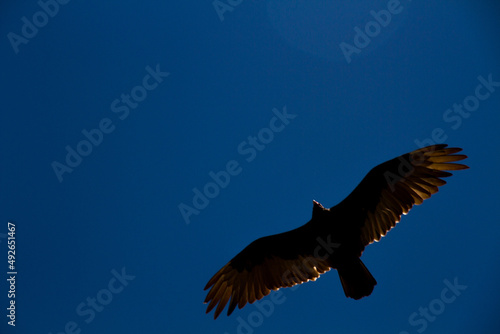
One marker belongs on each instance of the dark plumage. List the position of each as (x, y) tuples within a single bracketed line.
[(335, 237)]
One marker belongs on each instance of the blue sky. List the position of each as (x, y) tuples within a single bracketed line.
[(112, 113)]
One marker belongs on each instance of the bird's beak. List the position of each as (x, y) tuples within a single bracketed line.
[(315, 203)]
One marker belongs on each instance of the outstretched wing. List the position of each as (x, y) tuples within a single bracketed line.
[(268, 263), (393, 187)]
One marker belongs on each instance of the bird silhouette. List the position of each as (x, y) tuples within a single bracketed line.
[(335, 237)]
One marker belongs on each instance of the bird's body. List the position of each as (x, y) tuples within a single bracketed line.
[(335, 237)]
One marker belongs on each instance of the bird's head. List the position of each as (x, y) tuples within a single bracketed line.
[(318, 209)]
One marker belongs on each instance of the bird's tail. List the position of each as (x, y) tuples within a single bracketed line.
[(356, 279)]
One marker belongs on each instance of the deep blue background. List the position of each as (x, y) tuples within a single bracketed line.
[(119, 208)]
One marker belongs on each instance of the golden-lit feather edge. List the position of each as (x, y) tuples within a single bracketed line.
[(245, 287), (430, 165)]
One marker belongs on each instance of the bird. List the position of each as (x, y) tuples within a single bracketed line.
[(335, 237)]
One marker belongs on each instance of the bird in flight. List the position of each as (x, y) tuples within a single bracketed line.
[(335, 237)]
